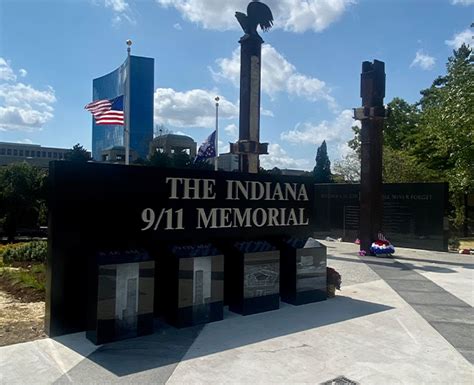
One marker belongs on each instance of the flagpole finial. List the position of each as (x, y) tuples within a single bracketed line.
[(129, 44)]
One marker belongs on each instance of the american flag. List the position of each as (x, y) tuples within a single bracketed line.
[(107, 111), (207, 149)]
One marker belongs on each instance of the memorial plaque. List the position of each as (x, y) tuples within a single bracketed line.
[(192, 284), (303, 271), (413, 213), (252, 277), (121, 289)]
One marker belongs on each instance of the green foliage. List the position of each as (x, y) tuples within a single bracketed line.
[(33, 277), (160, 159), (446, 140), (322, 170), (36, 251), (22, 194), (355, 143), (398, 166), (401, 124), (78, 154), (177, 160)]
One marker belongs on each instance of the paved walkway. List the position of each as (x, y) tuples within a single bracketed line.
[(407, 320)]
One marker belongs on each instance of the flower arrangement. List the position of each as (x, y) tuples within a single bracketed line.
[(382, 247)]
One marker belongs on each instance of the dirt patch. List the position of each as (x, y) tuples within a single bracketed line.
[(21, 314)]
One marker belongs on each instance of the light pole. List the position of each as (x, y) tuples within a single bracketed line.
[(127, 107), (216, 166)]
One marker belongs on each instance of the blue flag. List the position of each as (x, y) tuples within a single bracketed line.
[(207, 149)]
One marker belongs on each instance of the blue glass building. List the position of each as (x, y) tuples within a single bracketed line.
[(141, 106)]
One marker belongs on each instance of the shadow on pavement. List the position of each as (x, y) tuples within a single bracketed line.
[(156, 356), (391, 263)]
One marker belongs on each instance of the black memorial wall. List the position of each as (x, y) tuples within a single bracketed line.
[(414, 214), (99, 208)]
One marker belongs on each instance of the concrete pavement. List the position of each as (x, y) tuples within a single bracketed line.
[(406, 320)]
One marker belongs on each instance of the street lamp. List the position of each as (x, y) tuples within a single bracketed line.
[(216, 166)]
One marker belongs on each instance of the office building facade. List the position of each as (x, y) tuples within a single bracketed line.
[(33, 154), (141, 107)]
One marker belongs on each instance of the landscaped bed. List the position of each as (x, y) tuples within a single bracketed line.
[(22, 292)]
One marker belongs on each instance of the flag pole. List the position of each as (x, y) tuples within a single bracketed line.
[(216, 166), (127, 106)]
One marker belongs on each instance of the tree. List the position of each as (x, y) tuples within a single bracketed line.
[(398, 166), (160, 159), (78, 154), (22, 194), (348, 168), (445, 141), (355, 143), (401, 124), (322, 170)]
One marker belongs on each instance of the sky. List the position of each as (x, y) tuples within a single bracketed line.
[(311, 62)]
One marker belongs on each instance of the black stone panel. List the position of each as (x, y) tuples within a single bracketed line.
[(120, 303), (253, 276), (414, 214), (192, 285), (303, 271)]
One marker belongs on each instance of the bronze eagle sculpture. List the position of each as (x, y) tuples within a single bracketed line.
[(257, 14)]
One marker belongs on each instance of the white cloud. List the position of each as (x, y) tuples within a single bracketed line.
[(23, 106), (25, 141), (278, 157), (290, 15), (424, 61), (25, 119), (177, 26), (194, 108), (462, 2), (336, 133), (117, 5), (233, 131), (464, 37), (6, 72), (121, 11), (265, 112), (278, 75), (23, 72)]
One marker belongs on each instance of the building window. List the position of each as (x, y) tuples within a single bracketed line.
[(38, 154), (55, 155), (2, 151), (15, 152), (27, 152), (21, 152), (9, 151), (50, 154), (43, 154)]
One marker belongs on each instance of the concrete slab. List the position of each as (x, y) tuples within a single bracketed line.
[(392, 346), (43, 361), (143, 360)]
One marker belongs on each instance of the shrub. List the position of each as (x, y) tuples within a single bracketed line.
[(36, 251), (333, 278)]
